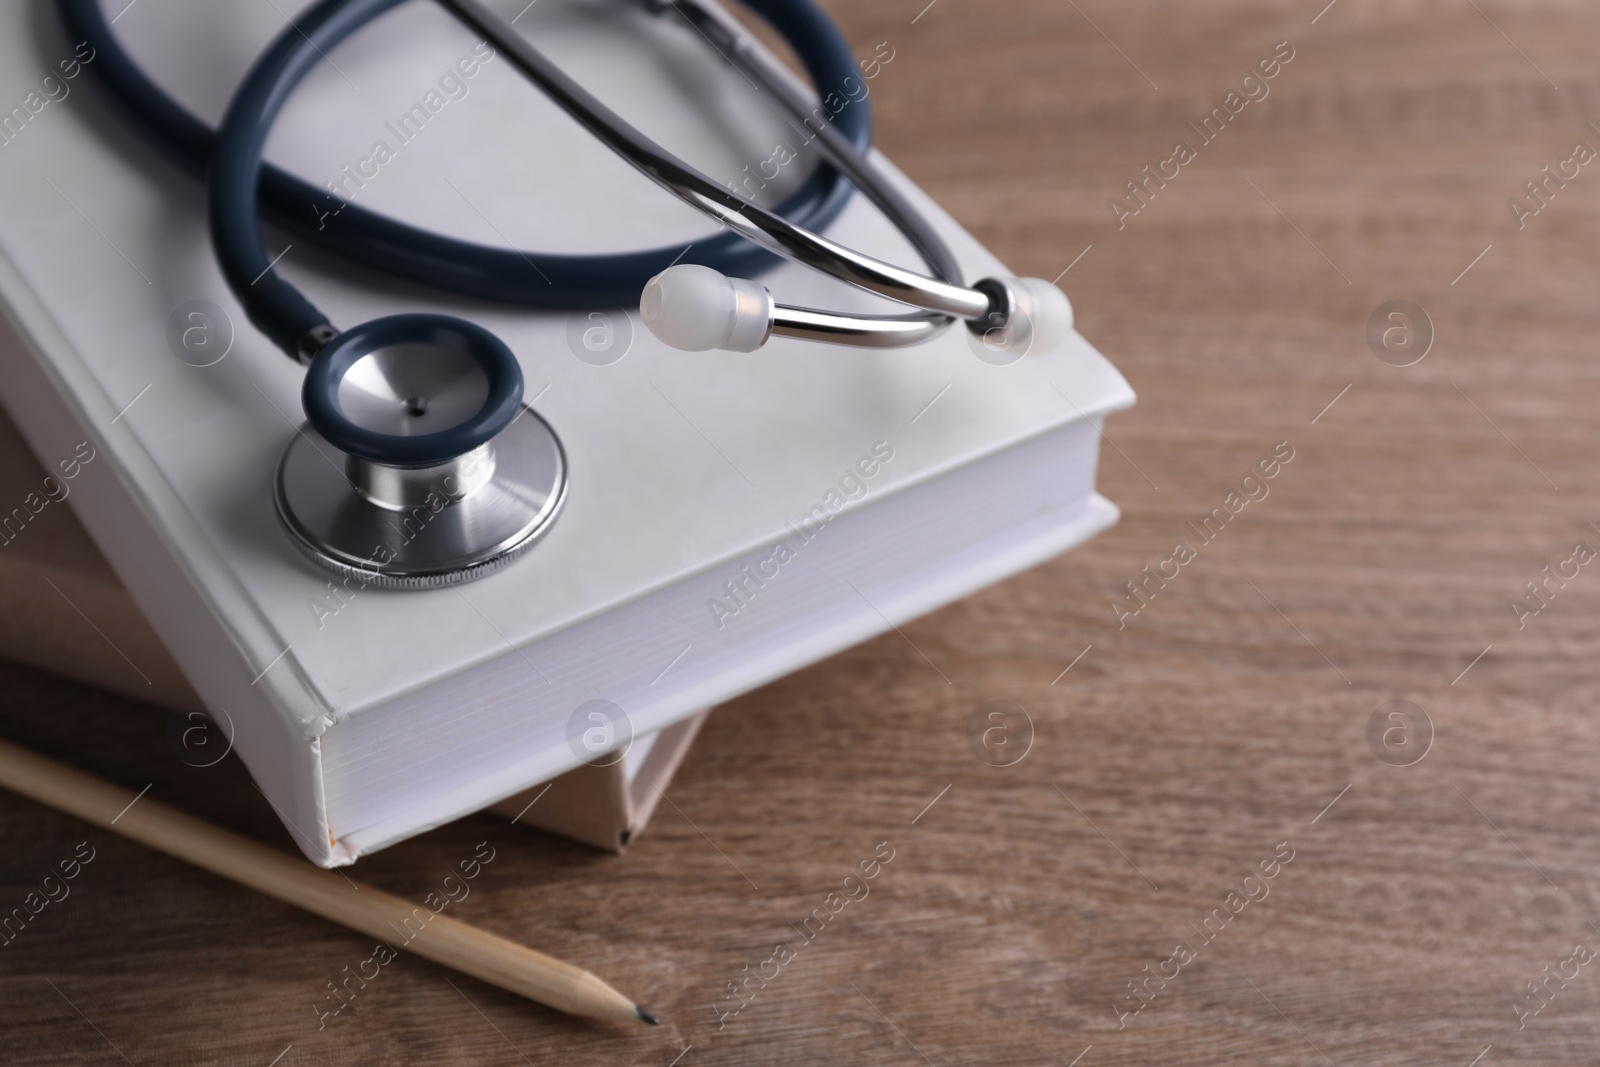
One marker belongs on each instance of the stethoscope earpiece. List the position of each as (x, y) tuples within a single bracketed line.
[(445, 475), (1030, 317), (697, 309)]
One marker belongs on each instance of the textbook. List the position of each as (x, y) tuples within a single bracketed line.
[(730, 518)]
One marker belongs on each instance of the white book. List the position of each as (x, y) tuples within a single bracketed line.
[(730, 518)]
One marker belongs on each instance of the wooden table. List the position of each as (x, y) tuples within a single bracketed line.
[(1227, 723)]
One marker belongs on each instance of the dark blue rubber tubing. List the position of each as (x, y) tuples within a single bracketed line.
[(320, 394), (526, 278)]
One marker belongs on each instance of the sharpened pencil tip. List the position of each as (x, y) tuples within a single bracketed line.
[(647, 1017)]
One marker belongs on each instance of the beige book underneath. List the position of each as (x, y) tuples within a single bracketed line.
[(62, 610)]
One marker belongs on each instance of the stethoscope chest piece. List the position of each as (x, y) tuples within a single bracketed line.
[(420, 466)]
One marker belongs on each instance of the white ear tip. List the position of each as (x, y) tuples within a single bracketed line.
[(1040, 323), (1049, 312), (688, 307), (696, 309)]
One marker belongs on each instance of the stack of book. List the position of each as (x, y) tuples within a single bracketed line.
[(62, 610), (730, 519)]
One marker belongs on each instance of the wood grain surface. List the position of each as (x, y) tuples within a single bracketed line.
[(1223, 726)]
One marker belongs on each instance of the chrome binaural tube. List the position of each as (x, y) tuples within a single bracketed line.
[(939, 299)]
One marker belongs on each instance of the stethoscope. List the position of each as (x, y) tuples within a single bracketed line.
[(420, 465)]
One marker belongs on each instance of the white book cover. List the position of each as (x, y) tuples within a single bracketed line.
[(371, 715)]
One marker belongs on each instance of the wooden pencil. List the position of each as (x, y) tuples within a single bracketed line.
[(295, 881)]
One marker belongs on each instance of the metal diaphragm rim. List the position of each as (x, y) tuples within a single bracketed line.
[(429, 546)]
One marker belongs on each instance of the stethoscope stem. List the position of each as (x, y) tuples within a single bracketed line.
[(938, 300)]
